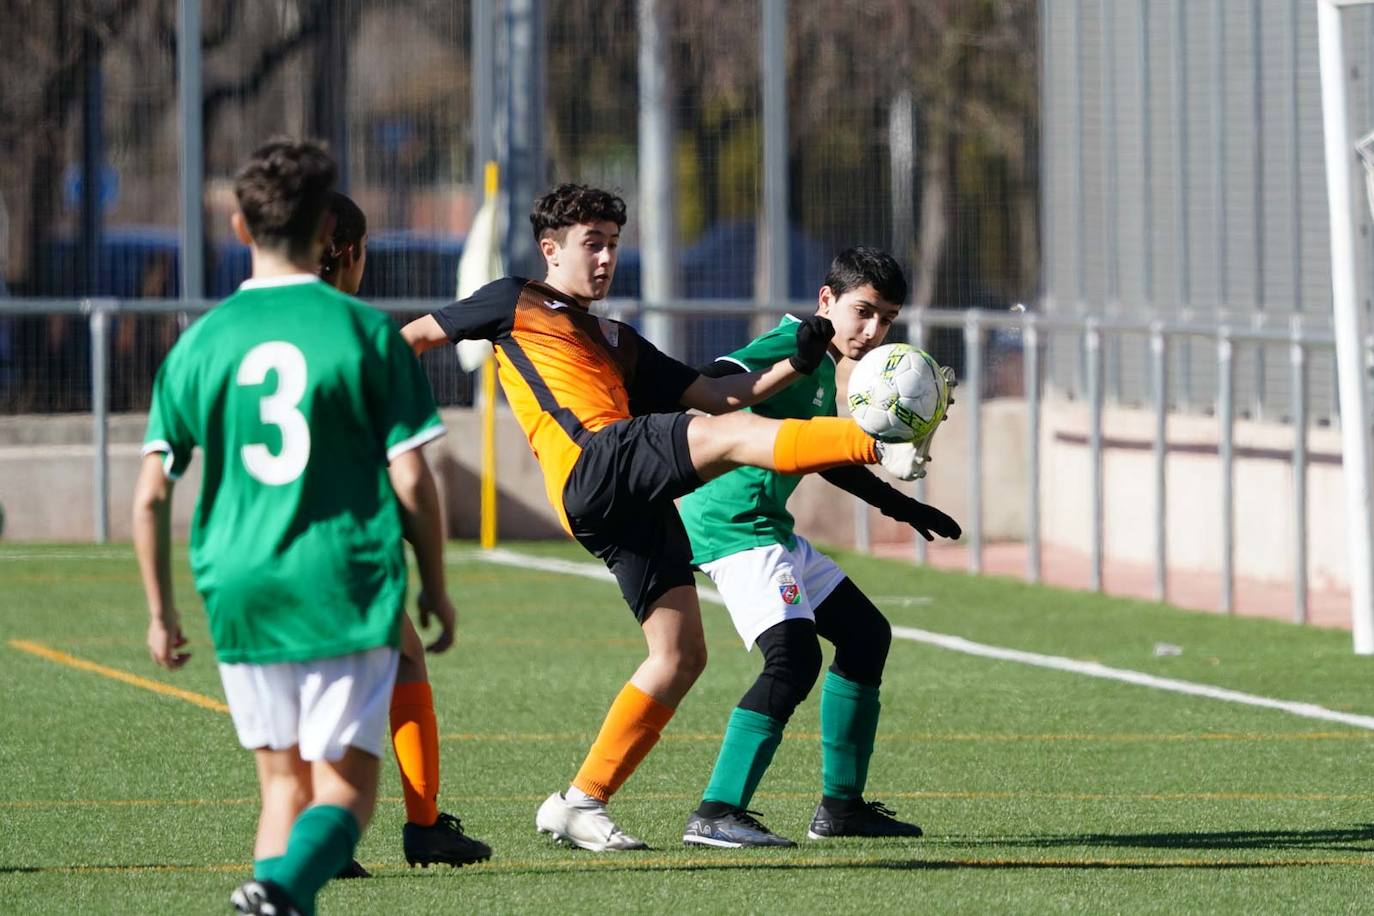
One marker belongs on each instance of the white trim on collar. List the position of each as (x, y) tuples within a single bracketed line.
[(283, 280)]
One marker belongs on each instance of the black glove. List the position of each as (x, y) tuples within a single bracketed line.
[(813, 339), (926, 519)]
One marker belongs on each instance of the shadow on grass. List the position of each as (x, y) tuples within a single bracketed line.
[(1358, 838), (627, 865)]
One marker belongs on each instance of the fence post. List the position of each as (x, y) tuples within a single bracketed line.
[(1159, 353), (1226, 409), (1092, 344), (1298, 358), (1030, 364), (971, 395), (98, 311)]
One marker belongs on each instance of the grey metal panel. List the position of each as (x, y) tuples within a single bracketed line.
[(1091, 169), (1059, 137), (1240, 158), (1315, 249), (1164, 166), (1278, 144), (1127, 123), (1236, 148), (1204, 276)]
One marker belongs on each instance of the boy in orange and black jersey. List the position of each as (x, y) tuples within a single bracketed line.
[(602, 409)]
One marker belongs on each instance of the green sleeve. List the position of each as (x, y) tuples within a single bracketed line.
[(168, 431), (766, 349), (407, 417)]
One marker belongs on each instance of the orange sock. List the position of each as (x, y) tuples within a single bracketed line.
[(415, 736), (631, 729), (805, 446)]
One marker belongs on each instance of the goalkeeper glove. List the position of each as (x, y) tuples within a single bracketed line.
[(813, 339), (926, 519)]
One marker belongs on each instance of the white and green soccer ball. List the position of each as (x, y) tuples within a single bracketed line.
[(898, 393)]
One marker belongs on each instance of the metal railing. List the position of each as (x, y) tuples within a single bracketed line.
[(1031, 333)]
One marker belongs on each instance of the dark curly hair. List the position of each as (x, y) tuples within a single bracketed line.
[(350, 225), (570, 205), (855, 267), (282, 192)]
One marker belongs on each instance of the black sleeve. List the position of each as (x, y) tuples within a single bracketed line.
[(488, 314), (721, 368), (866, 485), (659, 380)]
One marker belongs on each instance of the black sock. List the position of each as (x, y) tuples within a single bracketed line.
[(841, 805), (714, 809)]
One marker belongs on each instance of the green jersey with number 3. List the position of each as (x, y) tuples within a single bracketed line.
[(747, 507), (297, 396)]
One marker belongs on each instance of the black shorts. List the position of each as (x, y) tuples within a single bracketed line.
[(619, 501)]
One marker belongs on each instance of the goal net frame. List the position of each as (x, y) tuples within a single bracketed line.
[(1350, 322)]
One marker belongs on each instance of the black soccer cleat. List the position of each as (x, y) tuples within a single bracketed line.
[(442, 842), (732, 830), (354, 869), (264, 898), (860, 818)]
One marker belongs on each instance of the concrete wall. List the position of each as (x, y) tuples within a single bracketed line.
[(46, 473), (1263, 487), (46, 480)]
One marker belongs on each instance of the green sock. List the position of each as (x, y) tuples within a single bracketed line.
[(750, 740), (849, 720), (321, 842), (266, 869)]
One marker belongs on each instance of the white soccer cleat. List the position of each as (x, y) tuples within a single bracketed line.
[(588, 828), (905, 460)]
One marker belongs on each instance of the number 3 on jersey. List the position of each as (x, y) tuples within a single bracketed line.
[(278, 409)]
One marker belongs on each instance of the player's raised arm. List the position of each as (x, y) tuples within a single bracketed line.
[(723, 393), (487, 314), (423, 334)]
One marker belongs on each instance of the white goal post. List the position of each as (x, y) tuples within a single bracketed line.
[(1350, 326)]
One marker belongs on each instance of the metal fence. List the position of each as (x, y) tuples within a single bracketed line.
[(996, 354)]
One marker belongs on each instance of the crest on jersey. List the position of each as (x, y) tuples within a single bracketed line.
[(609, 330), (789, 589)]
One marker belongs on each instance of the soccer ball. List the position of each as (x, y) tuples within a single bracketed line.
[(897, 393)]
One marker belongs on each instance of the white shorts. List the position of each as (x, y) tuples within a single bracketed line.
[(764, 586), (325, 706)]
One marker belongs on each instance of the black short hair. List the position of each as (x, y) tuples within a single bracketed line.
[(574, 204), (282, 192), (865, 266), (350, 225)]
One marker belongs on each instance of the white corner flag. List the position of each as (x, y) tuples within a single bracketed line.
[(480, 264)]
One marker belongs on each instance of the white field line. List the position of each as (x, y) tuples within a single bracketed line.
[(968, 647)]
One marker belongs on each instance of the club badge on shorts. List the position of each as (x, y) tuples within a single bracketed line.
[(789, 589)]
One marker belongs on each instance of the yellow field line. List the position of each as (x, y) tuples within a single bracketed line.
[(934, 737), (761, 860), (71, 661)]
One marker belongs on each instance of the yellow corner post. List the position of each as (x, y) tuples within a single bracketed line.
[(488, 528)]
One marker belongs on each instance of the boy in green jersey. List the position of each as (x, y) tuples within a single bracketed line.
[(429, 835), (782, 594), (309, 411)]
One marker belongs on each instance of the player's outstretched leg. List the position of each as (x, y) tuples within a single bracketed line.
[(722, 443), (677, 656), (791, 663), (849, 718), (429, 836)]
